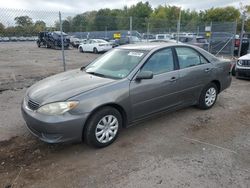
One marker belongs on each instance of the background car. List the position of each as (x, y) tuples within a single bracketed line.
[(244, 45), (242, 67), (52, 39), (95, 46), (195, 40)]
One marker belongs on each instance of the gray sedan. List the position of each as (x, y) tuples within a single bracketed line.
[(122, 87)]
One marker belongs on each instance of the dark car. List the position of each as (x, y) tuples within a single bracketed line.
[(244, 45), (195, 40), (52, 39), (125, 85)]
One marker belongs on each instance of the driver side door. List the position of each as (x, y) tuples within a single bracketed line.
[(149, 96)]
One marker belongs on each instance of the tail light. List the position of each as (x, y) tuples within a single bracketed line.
[(237, 42)]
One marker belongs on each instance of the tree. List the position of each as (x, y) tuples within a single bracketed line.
[(226, 14), (79, 23), (39, 26), (2, 29), (23, 21), (66, 25), (139, 12)]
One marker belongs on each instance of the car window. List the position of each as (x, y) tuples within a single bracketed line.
[(188, 57), (160, 62)]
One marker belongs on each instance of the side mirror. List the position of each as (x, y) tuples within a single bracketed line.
[(144, 75)]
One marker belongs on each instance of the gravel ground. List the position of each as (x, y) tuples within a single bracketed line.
[(187, 148)]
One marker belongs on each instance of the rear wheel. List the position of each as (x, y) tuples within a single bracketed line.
[(103, 127), (47, 46), (208, 96), (95, 50)]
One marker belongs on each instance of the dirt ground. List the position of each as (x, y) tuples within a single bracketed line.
[(187, 148)]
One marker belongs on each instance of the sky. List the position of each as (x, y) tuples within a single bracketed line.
[(79, 6)]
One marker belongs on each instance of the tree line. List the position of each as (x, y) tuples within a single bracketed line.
[(144, 17)]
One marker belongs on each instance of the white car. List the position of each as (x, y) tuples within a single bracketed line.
[(242, 67), (95, 45)]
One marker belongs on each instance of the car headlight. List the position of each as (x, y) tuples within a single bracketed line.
[(57, 108), (239, 62)]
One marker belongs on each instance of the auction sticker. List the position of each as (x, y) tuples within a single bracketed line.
[(137, 54)]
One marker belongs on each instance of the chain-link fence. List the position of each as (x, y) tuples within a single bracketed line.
[(23, 25)]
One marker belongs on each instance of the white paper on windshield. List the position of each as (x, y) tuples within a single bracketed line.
[(136, 54)]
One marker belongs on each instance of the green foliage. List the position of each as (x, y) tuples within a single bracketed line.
[(23, 21), (2, 28), (226, 14), (162, 17)]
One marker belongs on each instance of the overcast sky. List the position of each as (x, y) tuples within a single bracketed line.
[(79, 6)]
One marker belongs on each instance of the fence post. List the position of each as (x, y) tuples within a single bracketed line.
[(130, 28), (147, 20), (233, 41), (209, 42), (242, 30), (62, 42)]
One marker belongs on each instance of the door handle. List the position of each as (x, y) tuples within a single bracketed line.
[(173, 79), (207, 70)]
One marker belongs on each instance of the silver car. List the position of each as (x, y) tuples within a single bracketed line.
[(122, 87)]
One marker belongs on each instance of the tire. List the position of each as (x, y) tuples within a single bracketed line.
[(47, 46), (208, 96), (95, 50), (237, 75), (38, 45), (81, 50), (233, 70), (95, 132)]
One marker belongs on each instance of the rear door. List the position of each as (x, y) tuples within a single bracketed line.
[(159, 93), (195, 72)]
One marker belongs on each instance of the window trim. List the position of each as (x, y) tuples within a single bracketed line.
[(200, 55), (175, 67)]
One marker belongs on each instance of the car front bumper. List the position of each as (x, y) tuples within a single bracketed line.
[(242, 72), (54, 129)]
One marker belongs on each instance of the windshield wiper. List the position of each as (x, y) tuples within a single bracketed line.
[(97, 74)]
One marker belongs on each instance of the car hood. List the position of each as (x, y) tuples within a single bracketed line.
[(245, 57), (65, 85)]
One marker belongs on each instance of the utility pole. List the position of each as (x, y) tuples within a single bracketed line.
[(179, 26), (242, 31), (130, 27)]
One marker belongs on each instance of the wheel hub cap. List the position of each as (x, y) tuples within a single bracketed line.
[(106, 129), (210, 96)]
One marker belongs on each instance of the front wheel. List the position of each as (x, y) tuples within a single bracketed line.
[(208, 96), (80, 50), (103, 127), (233, 70)]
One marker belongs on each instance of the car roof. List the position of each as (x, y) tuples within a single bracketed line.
[(159, 45), (148, 46)]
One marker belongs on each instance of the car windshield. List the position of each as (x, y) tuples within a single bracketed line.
[(116, 64)]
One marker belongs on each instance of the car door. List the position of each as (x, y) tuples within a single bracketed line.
[(159, 93), (89, 46), (194, 73)]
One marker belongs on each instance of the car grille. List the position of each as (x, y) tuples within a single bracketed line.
[(33, 105), (246, 63)]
